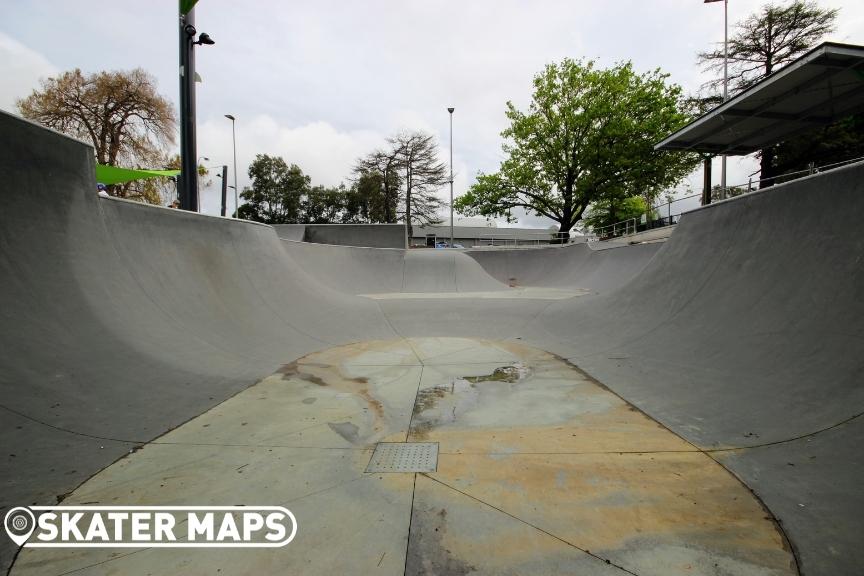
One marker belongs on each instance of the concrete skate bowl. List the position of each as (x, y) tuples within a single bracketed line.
[(567, 266), (696, 411)]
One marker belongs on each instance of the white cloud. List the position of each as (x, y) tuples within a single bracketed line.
[(323, 82), (21, 69), (326, 154)]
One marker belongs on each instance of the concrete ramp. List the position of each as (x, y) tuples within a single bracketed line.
[(355, 270), (746, 329), (574, 265), (699, 412)]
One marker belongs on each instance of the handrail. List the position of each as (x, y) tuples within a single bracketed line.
[(622, 228), (532, 238), (812, 169)]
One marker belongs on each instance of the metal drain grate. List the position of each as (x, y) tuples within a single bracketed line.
[(404, 457)]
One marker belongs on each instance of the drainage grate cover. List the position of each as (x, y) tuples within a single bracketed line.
[(404, 457)]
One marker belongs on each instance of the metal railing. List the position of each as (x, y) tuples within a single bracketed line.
[(789, 176), (615, 230), (515, 239), (664, 215)]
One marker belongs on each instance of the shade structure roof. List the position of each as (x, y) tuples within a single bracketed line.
[(822, 86)]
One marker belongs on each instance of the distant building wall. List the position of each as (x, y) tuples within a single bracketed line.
[(366, 235), (393, 235), (470, 236)]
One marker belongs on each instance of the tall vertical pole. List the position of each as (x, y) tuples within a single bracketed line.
[(450, 110), (706, 182), (725, 86), (188, 155), (234, 142), (224, 189)]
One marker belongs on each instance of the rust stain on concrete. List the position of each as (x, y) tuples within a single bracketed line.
[(332, 376), (592, 469), (541, 469)]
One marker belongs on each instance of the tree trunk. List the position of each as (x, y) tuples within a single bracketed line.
[(408, 214), (563, 235)]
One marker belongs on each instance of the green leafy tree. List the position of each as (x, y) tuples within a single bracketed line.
[(323, 205), (355, 205), (588, 133), (842, 140), (277, 191), (762, 43), (611, 210), (376, 188)]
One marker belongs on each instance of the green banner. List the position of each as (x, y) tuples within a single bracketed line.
[(116, 175), (186, 6)]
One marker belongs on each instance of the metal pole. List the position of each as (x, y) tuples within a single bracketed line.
[(188, 156), (224, 188), (234, 142), (706, 183), (725, 86), (450, 110), (236, 198)]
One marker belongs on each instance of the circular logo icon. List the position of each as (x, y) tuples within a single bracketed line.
[(19, 523)]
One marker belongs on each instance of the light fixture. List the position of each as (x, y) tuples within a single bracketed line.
[(204, 38)]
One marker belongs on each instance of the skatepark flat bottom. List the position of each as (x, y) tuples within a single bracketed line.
[(540, 470)]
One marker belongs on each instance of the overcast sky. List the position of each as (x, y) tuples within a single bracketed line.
[(323, 82)]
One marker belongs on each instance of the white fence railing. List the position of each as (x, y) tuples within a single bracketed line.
[(513, 239), (665, 215)]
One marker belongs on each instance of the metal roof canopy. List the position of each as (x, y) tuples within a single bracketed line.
[(824, 85)]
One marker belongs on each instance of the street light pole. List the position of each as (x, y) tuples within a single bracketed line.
[(234, 141), (188, 179), (224, 190), (450, 110), (725, 85)]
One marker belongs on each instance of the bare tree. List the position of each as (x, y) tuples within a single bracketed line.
[(128, 122), (422, 174), (764, 42), (408, 167), (768, 39)]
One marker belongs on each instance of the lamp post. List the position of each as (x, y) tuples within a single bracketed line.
[(234, 141), (450, 110), (225, 186), (224, 190), (725, 83), (188, 171)]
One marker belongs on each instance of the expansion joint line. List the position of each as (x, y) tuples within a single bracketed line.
[(410, 522), (407, 435), (534, 526), (414, 404)]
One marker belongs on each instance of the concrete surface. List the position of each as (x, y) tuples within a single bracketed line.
[(653, 235), (528, 447), (740, 340), (568, 266)]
